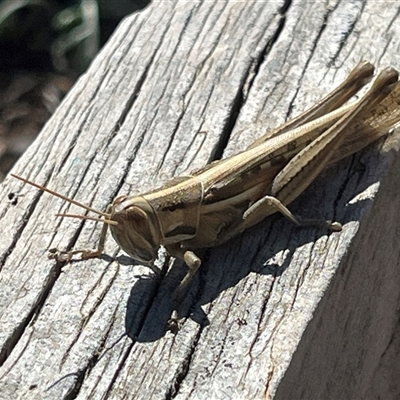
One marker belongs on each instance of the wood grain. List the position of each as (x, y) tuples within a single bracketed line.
[(276, 313)]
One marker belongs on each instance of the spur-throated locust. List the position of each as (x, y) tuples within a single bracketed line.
[(221, 200)]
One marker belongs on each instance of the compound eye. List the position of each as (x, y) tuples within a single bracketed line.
[(119, 200)]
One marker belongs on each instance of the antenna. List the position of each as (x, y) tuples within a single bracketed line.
[(85, 217), (44, 189)]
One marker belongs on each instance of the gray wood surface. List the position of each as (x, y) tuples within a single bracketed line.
[(278, 312)]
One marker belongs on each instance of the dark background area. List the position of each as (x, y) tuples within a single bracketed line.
[(44, 47)]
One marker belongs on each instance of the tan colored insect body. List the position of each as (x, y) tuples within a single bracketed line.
[(228, 196)]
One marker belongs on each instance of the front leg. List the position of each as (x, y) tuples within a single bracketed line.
[(64, 256)]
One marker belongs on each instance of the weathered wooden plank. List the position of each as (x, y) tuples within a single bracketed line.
[(279, 311)]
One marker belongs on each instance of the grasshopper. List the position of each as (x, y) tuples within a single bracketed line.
[(221, 200)]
